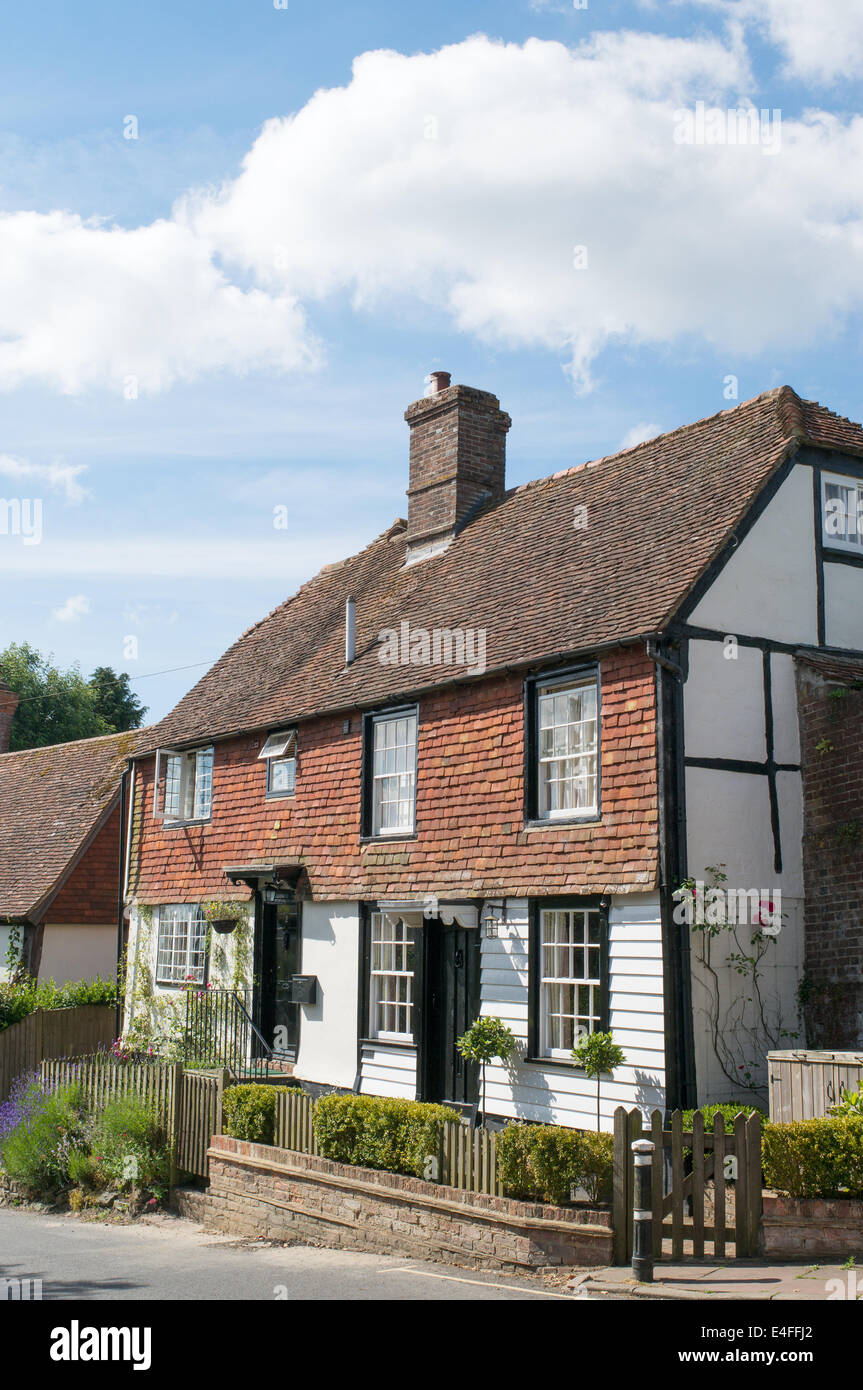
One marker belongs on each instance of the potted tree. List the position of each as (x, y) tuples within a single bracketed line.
[(598, 1053), (484, 1040), (223, 916)]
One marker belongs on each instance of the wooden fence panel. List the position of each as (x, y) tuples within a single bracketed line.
[(53, 1033), (805, 1085)]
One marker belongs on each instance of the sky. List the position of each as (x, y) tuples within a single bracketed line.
[(236, 236)]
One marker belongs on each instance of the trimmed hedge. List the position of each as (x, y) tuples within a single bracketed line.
[(544, 1162), (375, 1132), (815, 1158), (728, 1111), (249, 1111)]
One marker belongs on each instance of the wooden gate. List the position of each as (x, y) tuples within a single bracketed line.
[(706, 1186)]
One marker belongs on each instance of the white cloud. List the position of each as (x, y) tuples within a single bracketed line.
[(639, 434), (84, 304), (60, 477), (536, 149), (819, 41), (76, 607)]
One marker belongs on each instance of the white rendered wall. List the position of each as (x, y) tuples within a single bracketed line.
[(328, 1028), (843, 605), (78, 953)]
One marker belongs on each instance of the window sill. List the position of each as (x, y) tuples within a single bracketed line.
[(388, 839), (555, 1063), (183, 824), (280, 796), (406, 1046), (566, 822)]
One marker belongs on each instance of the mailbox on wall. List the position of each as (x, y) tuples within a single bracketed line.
[(304, 989)]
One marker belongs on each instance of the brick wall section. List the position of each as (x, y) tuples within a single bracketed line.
[(259, 1191), (793, 1226), (833, 856), (89, 895), (471, 838)]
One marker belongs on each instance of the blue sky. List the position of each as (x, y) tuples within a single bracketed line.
[(188, 341)]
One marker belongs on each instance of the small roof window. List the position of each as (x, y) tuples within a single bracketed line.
[(280, 745)]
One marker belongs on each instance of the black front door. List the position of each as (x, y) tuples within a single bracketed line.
[(280, 959), (451, 990)]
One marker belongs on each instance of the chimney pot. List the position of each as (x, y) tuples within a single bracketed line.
[(439, 381)]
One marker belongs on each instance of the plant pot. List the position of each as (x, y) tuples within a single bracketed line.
[(224, 925)]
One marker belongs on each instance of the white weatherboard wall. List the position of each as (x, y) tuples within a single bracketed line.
[(328, 1028), (557, 1094), (389, 1071)]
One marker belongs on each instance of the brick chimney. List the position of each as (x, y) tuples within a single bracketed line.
[(8, 706), (457, 461)]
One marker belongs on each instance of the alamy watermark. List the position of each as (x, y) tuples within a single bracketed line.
[(22, 516), (438, 646), (700, 905), (742, 125)]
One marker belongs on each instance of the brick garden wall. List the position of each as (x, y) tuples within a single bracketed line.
[(794, 1227), (259, 1191), (471, 839), (831, 728)]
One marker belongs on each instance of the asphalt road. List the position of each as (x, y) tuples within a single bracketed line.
[(172, 1259)]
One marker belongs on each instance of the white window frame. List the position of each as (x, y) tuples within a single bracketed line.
[(567, 958), (181, 945), (390, 942), (852, 541), (385, 771), (188, 785), (280, 751), (586, 756)]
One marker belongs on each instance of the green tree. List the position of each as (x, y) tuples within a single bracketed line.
[(61, 706), (484, 1040), (598, 1053), (115, 702)]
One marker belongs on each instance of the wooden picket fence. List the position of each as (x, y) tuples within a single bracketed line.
[(467, 1158), (294, 1128), (74, 1032), (691, 1216), (188, 1103)]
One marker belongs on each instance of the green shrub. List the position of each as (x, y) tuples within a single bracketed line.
[(37, 1151), (250, 1111), (729, 1110), (128, 1146), (815, 1158), (23, 998), (542, 1163), (374, 1132)]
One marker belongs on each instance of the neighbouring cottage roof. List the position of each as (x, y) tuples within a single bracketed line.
[(657, 516), (52, 800), (835, 670)]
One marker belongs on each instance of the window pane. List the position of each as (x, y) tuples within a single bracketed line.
[(569, 959), (203, 783), (394, 774), (391, 991), (567, 750), (282, 774)]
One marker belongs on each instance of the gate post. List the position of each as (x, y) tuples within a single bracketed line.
[(642, 1215)]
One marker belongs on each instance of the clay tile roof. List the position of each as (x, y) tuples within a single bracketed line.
[(51, 801), (657, 515)]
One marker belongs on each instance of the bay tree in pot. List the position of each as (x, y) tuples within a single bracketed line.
[(598, 1054), (486, 1039)]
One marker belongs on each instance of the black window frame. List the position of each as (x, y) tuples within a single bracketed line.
[(367, 835), (418, 940), (589, 903), (269, 794), (589, 671)]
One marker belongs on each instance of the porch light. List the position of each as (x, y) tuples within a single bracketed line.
[(493, 917)]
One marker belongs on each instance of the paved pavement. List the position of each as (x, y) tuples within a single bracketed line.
[(738, 1279), (168, 1258)]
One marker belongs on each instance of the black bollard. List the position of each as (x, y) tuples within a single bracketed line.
[(642, 1216)]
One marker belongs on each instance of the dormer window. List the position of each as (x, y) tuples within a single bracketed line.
[(842, 507), (280, 755), (187, 785)]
